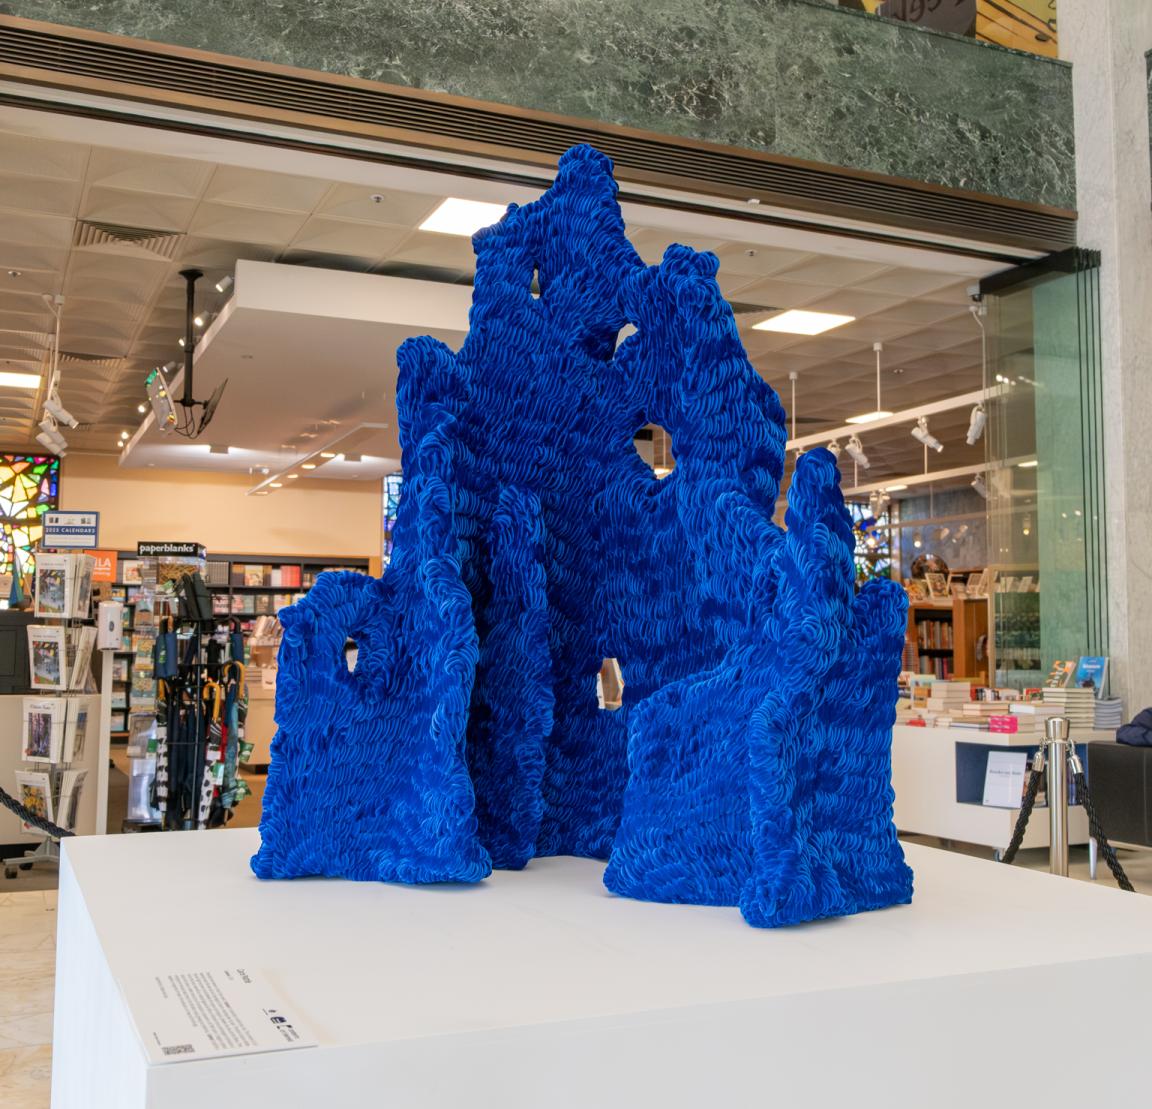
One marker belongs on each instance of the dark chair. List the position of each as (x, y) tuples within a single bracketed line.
[(1120, 780)]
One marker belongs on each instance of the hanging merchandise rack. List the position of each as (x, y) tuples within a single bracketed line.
[(187, 739)]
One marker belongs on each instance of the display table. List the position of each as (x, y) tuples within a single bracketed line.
[(540, 989), (938, 777)]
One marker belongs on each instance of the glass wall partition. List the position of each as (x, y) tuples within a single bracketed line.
[(1045, 482)]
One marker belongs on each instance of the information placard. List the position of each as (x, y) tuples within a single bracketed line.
[(71, 529), (183, 1016)]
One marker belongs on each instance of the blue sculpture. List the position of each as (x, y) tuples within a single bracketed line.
[(750, 762)]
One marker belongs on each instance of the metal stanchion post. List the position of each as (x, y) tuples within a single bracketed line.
[(1056, 733)]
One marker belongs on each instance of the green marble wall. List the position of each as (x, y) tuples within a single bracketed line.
[(793, 77)]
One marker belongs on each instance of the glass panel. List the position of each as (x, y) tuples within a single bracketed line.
[(1045, 470)]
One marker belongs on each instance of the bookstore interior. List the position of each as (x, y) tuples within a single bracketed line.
[(944, 381), (230, 369)]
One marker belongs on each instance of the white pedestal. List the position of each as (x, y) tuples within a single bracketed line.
[(540, 989)]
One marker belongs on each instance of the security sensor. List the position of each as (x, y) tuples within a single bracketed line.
[(53, 406), (856, 449), (979, 485), (921, 433), (974, 293), (377, 198), (976, 424)]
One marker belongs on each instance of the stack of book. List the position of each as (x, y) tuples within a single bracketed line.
[(1109, 713), (950, 697), (1078, 705)]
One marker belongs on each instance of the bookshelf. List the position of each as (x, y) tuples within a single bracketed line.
[(945, 638)]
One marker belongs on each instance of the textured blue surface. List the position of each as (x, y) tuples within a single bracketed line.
[(750, 763)]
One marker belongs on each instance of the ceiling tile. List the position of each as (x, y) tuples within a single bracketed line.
[(830, 271), (650, 245), (852, 302), (42, 195), (129, 208), (258, 189), (757, 261), (401, 209), (42, 157), (246, 225), (903, 282), (152, 174), (774, 293), (357, 240), (429, 248)]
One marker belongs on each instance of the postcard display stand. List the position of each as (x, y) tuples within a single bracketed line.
[(62, 716), (185, 724)]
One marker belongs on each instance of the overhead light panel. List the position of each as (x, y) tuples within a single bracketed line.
[(798, 321), (455, 216), (15, 380), (880, 412)]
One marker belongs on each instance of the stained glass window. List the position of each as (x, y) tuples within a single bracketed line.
[(392, 484), (873, 532), (29, 487)]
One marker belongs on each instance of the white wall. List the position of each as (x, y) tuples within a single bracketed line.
[(319, 517)]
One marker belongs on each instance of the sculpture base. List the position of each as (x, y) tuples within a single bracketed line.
[(540, 988)]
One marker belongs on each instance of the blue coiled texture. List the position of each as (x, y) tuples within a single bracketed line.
[(750, 763)]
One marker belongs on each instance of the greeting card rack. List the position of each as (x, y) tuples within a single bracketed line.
[(58, 714)]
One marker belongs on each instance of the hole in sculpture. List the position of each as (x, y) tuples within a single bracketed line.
[(610, 685), (654, 445), (351, 654)]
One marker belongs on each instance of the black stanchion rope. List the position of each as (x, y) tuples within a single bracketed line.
[(29, 817)]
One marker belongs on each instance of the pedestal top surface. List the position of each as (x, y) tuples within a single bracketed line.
[(371, 962)]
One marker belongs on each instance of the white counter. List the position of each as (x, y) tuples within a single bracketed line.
[(539, 989), (924, 776)]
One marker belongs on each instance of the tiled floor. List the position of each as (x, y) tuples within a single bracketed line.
[(28, 948), (27, 964)]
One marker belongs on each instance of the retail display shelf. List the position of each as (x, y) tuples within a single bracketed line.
[(540, 988)]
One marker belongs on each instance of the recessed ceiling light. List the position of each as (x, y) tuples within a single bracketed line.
[(292, 477), (261, 493), (123, 435), (1028, 465), (894, 488), (462, 217), (275, 485), (308, 466), (19, 381), (797, 321), (868, 417), (327, 454), (141, 408)]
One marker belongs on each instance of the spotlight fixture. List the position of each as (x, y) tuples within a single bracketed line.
[(1027, 529), (917, 540), (293, 477), (921, 433), (976, 423), (327, 454), (980, 486), (308, 466), (880, 412), (141, 408), (275, 485), (58, 412), (856, 450), (878, 501), (835, 448), (224, 284)]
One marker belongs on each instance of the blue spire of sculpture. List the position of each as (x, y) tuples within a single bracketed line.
[(750, 762)]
